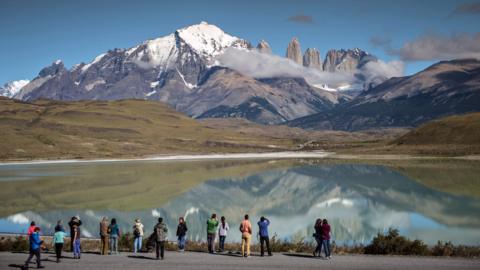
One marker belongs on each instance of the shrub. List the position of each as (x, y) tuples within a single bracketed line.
[(393, 243)]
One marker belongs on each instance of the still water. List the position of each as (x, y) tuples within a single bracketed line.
[(359, 200)]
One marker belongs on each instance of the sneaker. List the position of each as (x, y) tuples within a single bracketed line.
[(40, 266), (314, 254)]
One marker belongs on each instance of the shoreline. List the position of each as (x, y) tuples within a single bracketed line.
[(190, 157), (319, 154)]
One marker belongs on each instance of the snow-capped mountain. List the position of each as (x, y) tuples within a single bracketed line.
[(181, 70), (12, 88)]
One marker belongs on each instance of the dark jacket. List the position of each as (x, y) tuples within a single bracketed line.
[(325, 232), (182, 229), (74, 222)]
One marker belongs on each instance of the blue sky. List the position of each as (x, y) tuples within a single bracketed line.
[(35, 33)]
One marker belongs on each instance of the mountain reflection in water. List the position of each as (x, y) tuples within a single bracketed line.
[(358, 200)]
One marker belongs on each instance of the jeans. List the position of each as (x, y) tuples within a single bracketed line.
[(211, 242), (318, 249), (265, 240), (222, 242), (160, 248), (114, 244), (137, 244), (35, 253), (246, 241), (76, 248), (326, 247), (104, 249), (181, 242), (58, 250)]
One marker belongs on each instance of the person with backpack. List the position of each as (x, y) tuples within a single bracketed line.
[(104, 236), (138, 235), (222, 233), (114, 233), (318, 237), (58, 240), (326, 238), (35, 245), (212, 225), (75, 220), (160, 231), (246, 230), (76, 242), (181, 234), (264, 238)]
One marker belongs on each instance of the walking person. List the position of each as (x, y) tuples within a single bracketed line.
[(75, 220), (114, 233), (246, 230), (35, 245), (264, 238), (222, 233), (318, 237), (181, 234), (76, 242), (58, 240), (104, 236), (161, 235), (138, 236), (212, 225), (326, 238)]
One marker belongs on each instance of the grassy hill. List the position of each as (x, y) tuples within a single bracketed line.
[(102, 129), (458, 129)]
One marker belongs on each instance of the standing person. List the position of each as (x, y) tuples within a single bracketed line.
[(161, 235), (318, 237), (222, 233), (59, 226), (31, 229), (114, 233), (326, 238), (212, 225), (246, 230), (104, 236), (264, 238), (35, 244), (76, 242), (74, 221), (138, 235), (181, 233), (58, 239)]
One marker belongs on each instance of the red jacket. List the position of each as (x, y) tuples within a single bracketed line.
[(325, 231)]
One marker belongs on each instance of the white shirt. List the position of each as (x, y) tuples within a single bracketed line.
[(223, 231)]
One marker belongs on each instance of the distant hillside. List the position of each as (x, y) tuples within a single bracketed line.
[(125, 128), (443, 89), (458, 129)]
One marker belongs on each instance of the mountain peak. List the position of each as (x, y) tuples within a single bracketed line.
[(12, 88), (206, 39)]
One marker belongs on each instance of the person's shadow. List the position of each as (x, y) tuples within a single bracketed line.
[(141, 257)]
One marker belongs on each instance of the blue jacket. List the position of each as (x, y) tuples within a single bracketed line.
[(263, 226), (35, 241)]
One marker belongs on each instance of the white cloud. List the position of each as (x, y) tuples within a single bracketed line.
[(438, 47), (260, 65), (376, 72)]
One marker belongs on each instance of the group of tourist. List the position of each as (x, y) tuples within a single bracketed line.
[(110, 234)]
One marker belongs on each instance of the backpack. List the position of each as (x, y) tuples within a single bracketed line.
[(136, 231)]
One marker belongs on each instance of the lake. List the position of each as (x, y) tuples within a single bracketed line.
[(431, 201)]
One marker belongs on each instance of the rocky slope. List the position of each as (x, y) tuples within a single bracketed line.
[(445, 88)]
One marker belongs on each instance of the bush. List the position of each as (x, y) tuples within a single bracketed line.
[(393, 243)]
